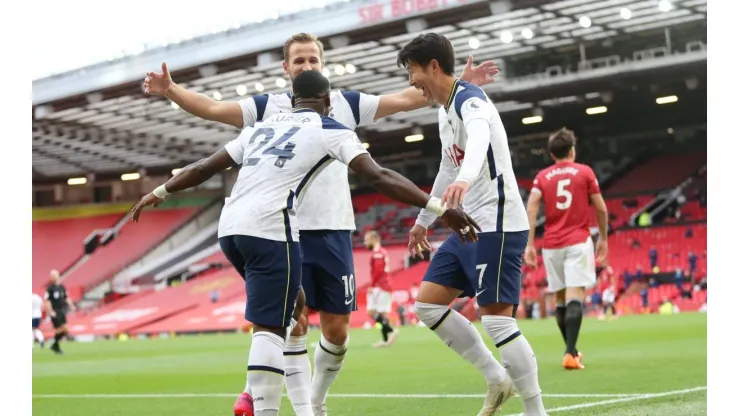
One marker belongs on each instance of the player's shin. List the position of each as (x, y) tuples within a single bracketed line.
[(265, 372), (573, 319), (518, 358), (298, 375), (328, 359), (462, 337)]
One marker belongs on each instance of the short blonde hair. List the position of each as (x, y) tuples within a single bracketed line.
[(302, 38)]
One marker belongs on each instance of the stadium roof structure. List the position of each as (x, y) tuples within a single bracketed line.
[(97, 119)]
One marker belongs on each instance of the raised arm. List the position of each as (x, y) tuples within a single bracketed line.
[(412, 99), (199, 105), (188, 177)]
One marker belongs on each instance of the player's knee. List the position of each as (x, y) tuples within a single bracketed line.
[(502, 329), (431, 314), (335, 327)]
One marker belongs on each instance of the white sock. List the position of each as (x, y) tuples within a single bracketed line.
[(459, 334), (265, 372), (518, 359), (298, 375), (39, 335), (327, 361), (292, 325)]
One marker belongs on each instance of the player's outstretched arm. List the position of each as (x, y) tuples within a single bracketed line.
[(412, 99), (396, 186), (190, 176), (199, 105)]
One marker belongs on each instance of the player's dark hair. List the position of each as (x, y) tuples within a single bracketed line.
[(425, 48), (561, 142), (311, 84)]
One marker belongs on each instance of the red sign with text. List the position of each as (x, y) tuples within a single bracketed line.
[(376, 12)]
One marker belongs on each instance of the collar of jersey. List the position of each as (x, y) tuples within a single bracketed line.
[(452, 94), (305, 110)]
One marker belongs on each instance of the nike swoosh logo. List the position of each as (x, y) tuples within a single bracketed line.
[(347, 302), (292, 374), (478, 293)]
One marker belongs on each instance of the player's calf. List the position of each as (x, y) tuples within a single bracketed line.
[(329, 357), (266, 369), (517, 355)]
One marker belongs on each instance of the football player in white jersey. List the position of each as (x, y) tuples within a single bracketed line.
[(475, 171), (37, 305), (258, 228), (328, 266)]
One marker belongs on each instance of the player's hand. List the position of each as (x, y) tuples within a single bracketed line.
[(455, 193), (480, 74), (601, 250), (148, 199), (418, 241), (530, 256), (461, 223), (156, 83), (52, 314)]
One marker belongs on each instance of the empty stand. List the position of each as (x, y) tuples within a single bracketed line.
[(132, 242), (57, 244), (661, 172)]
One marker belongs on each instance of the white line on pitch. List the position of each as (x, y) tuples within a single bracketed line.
[(340, 395), (621, 400)]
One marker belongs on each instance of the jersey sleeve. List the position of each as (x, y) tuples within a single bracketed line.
[(235, 148), (343, 145), (471, 104), (444, 178), (363, 106), (537, 184), (47, 294), (253, 109)]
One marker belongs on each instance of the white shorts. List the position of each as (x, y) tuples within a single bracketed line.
[(572, 266), (378, 300)]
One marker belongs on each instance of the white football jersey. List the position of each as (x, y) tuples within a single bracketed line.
[(37, 306), (493, 199), (350, 108), (280, 157)]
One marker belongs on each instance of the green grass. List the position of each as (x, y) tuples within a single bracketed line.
[(635, 355)]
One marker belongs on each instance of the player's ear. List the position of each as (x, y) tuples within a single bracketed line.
[(285, 69)]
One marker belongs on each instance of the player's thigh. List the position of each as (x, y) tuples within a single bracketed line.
[(273, 279), (232, 253), (445, 277), (332, 270), (497, 269), (580, 265), (554, 261)]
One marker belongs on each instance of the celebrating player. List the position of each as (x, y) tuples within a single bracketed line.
[(379, 298), (328, 265), (567, 188), (476, 172), (257, 232)]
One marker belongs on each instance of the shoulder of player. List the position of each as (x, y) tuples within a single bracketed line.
[(468, 93), (328, 123)]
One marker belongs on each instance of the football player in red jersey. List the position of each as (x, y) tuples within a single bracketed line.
[(567, 189), (379, 293)]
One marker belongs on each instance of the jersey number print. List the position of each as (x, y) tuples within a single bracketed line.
[(284, 154)]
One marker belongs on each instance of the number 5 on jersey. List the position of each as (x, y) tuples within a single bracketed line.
[(564, 193)]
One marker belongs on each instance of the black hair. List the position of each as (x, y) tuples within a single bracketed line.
[(311, 84), (561, 142), (425, 48)]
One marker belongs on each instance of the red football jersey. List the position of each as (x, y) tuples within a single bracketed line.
[(566, 189), (379, 268)]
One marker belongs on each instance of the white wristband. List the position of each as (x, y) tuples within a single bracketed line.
[(160, 192), (435, 205)]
